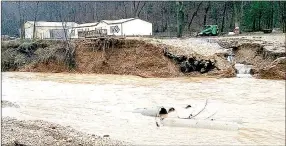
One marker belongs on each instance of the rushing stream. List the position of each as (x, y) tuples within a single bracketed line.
[(100, 104), (243, 71)]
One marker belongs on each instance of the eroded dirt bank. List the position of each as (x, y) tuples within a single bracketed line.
[(106, 56), (267, 56), (145, 57)]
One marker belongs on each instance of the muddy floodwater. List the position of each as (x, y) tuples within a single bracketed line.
[(101, 104)]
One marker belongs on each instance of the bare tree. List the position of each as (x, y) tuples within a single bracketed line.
[(35, 20), (125, 9), (161, 14), (223, 16), (95, 11), (194, 15), (136, 8), (282, 6), (206, 12), (180, 18), (21, 22)]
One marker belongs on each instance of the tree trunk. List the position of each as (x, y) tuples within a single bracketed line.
[(162, 20), (253, 25), (259, 21), (21, 22), (236, 14), (35, 19), (168, 22), (125, 10), (94, 15), (284, 17), (136, 9), (206, 12), (231, 24), (138, 14), (282, 6), (223, 17), (194, 15), (180, 19)]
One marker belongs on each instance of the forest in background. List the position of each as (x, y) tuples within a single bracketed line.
[(168, 17)]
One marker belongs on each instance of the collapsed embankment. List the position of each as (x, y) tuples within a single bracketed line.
[(268, 59), (105, 56), (54, 56), (124, 57)]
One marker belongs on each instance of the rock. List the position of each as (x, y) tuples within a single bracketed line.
[(69, 140), (105, 135), (17, 143)]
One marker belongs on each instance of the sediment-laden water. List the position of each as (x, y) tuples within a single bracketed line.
[(100, 104)]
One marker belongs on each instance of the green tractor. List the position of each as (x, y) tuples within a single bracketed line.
[(209, 30)]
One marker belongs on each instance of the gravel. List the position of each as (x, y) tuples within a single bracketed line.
[(207, 46), (42, 133), (188, 46)]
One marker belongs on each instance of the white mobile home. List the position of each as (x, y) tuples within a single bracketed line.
[(126, 27), (48, 30)]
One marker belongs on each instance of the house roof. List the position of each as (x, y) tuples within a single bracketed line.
[(117, 21), (87, 24), (53, 24)]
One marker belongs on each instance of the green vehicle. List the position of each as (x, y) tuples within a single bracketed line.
[(209, 30)]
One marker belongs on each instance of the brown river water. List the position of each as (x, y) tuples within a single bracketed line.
[(101, 104)]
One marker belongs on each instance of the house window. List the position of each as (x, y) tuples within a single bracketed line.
[(80, 33), (114, 29)]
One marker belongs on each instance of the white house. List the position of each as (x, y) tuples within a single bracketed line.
[(126, 27), (121, 27), (48, 30), (60, 30)]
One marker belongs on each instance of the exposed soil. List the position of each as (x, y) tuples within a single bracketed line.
[(251, 54), (105, 56), (259, 52), (140, 57), (131, 57), (276, 70)]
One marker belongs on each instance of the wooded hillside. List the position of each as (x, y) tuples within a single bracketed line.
[(168, 18)]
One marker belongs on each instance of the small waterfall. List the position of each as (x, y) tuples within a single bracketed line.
[(230, 56), (243, 71)]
